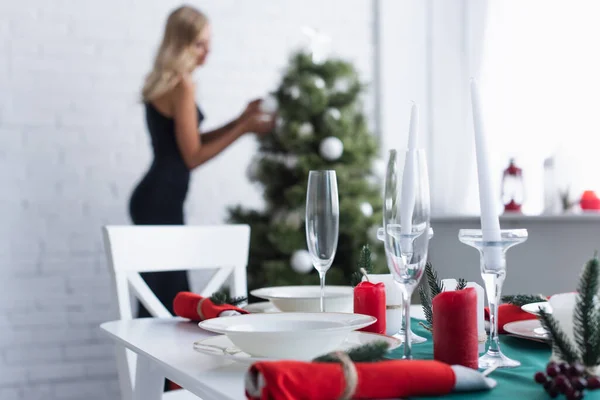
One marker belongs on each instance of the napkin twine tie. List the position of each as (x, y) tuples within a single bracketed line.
[(199, 309), (350, 375)]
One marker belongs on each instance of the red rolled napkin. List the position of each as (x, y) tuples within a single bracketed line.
[(509, 313), (297, 380), (197, 308), (455, 336)]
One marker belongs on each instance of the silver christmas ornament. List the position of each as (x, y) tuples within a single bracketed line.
[(331, 148), (301, 262)]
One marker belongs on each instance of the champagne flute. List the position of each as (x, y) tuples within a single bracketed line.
[(406, 222), (322, 222)]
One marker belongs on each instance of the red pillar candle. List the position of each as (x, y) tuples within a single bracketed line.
[(369, 299), (455, 328)]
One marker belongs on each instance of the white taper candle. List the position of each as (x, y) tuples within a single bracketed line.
[(490, 223), (407, 199)]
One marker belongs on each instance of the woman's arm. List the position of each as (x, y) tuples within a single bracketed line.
[(252, 108), (195, 150), (215, 134)]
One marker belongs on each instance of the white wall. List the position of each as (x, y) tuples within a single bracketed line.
[(73, 144)]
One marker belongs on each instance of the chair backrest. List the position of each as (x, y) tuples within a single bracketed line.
[(133, 249)]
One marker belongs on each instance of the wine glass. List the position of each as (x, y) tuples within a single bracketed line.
[(406, 222), (322, 222)]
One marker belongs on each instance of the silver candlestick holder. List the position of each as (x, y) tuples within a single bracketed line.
[(492, 262)]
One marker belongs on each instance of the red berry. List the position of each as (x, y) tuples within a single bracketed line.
[(562, 383), (577, 369), (540, 377), (578, 383), (593, 383), (552, 370), (564, 367), (576, 395)]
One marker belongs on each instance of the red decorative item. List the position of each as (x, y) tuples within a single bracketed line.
[(589, 201), (197, 308), (286, 380), (455, 328), (369, 299), (512, 188), (509, 313)]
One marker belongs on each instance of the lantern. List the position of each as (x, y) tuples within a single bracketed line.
[(513, 190)]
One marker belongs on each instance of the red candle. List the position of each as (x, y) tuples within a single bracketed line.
[(369, 299), (455, 328)]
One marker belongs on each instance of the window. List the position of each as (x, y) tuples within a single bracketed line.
[(540, 84)]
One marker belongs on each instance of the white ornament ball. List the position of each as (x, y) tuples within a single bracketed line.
[(294, 92), (331, 148), (293, 220), (372, 233), (366, 209), (334, 113), (291, 161), (269, 105), (301, 262), (378, 168), (305, 130), (252, 170), (342, 85), (319, 83)]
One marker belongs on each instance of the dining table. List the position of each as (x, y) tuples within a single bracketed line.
[(165, 349)]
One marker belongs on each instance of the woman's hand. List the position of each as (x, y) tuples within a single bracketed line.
[(259, 123), (252, 108)]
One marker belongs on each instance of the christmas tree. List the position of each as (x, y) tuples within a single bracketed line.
[(320, 126)]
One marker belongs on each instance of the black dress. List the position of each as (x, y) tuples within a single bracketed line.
[(159, 197)]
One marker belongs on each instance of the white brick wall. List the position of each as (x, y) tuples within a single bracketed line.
[(73, 144)]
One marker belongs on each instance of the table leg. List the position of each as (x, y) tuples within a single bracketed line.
[(149, 382)]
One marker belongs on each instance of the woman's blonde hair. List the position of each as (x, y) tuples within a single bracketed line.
[(176, 54)]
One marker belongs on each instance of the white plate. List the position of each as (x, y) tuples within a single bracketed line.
[(533, 308), (288, 335), (529, 329), (416, 310), (307, 298), (262, 307), (221, 346)]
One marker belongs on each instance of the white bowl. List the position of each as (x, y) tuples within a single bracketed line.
[(300, 336), (307, 298)]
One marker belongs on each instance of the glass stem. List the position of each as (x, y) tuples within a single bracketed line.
[(493, 287), (322, 279), (406, 295)]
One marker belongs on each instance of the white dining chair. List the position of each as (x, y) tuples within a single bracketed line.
[(152, 248)]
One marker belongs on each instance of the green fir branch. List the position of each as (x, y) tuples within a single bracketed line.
[(369, 352), (561, 344), (462, 284), (522, 299), (427, 308), (435, 285), (585, 325), (220, 298), (364, 260), (355, 279)]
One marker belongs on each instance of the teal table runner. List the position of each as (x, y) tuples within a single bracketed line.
[(513, 384)]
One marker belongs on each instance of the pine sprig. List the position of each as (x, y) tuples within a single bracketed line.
[(220, 298), (364, 260), (435, 285), (462, 284), (427, 308), (355, 278), (585, 320), (369, 352), (522, 299), (561, 344)]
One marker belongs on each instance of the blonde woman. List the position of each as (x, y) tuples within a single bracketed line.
[(173, 120)]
